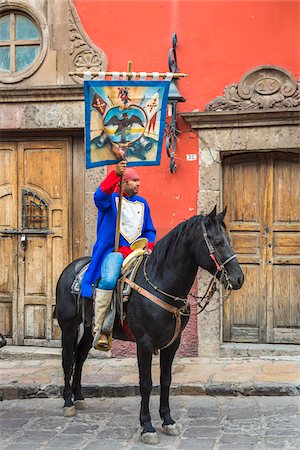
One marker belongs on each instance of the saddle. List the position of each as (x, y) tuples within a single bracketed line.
[(128, 266), (122, 290)]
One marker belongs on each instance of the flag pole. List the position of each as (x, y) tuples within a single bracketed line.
[(129, 74), (117, 235)]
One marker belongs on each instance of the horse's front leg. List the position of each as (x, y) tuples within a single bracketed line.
[(82, 351), (144, 354), (166, 360)]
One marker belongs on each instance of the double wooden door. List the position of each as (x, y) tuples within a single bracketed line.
[(34, 237), (262, 192)]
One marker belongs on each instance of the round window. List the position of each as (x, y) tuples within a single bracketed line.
[(22, 46)]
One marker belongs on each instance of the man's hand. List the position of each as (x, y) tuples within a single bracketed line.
[(121, 167), (118, 151)]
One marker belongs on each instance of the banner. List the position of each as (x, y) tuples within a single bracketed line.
[(124, 118)]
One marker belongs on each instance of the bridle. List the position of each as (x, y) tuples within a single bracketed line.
[(220, 266), (204, 300)]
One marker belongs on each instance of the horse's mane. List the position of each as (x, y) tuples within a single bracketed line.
[(166, 246)]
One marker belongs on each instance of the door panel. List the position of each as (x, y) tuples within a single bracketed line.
[(8, 219), (35, 192), (243, 196), (262, 192)]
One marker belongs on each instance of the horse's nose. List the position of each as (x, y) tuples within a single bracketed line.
[(240, 280)]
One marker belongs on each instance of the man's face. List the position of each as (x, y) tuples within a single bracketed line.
[(131, 187)]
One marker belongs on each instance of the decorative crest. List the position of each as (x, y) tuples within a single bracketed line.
[(264, 87)]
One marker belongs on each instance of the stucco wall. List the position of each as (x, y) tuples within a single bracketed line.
[(218, 42)]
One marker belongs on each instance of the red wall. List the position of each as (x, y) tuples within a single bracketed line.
[(218, 42)]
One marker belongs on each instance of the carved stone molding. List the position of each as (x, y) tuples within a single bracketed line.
[(84, 54), (264, 87)]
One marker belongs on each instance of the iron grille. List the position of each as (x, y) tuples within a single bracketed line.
[(35, 211)]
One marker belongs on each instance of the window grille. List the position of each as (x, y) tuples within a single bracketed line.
[(35, 211)]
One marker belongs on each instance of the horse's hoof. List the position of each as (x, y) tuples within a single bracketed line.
[(172, 430), (80, 404), (69, 411), (150, 438)]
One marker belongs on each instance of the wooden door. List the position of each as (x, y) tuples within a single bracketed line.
[(34, 237), (262, 192)]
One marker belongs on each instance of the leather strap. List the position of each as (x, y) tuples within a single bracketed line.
[(162, 304)]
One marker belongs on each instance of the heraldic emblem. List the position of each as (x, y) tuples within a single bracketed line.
[(124, 119)]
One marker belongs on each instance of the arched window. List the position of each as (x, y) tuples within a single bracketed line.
[(22, 44)]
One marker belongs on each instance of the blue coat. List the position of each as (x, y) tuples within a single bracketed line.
[(106, 228)]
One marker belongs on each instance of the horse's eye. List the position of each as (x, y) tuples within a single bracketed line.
[(218, 242)]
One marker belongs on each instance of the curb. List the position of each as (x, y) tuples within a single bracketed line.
[(19, 391)]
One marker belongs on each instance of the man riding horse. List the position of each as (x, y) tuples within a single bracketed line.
[(106, 263)]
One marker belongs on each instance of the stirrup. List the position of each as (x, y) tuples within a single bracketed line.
[(102, 342)]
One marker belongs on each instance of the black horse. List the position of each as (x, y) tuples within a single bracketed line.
[(168, 274)]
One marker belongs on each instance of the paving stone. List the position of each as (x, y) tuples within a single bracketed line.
[(66, 441), (239, 439), (197, 444), (279, 443), (236, 426), (202, 412), (22, 446), (237, 447), (204, 421), (202, 432), (39, 436), (99, 444), (242, 413), (117, 433), (12, 424), (112, 423), (81, 429)]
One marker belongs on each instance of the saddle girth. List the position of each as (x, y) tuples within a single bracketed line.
[(172, 309)]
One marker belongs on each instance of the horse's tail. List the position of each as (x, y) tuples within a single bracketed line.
[(66, 307)]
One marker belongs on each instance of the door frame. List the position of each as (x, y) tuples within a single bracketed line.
[(262, 256), (229, 133), (74, 140)]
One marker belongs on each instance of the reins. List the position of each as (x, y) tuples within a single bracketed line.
[(204, 300)]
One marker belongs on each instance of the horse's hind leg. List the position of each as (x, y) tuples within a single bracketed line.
[(149, 435), (69, 336), (166, 360), (82, 351)]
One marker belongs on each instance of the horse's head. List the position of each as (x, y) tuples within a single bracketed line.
[(221, 260)]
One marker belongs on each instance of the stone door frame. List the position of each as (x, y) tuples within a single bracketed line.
[(224, 132)]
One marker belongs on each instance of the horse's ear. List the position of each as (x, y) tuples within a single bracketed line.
[(213, 213), (223, 213)]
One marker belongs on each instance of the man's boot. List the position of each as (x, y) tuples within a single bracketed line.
[(102, 302)]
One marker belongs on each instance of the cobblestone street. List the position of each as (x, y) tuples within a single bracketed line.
[(208, 423)]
